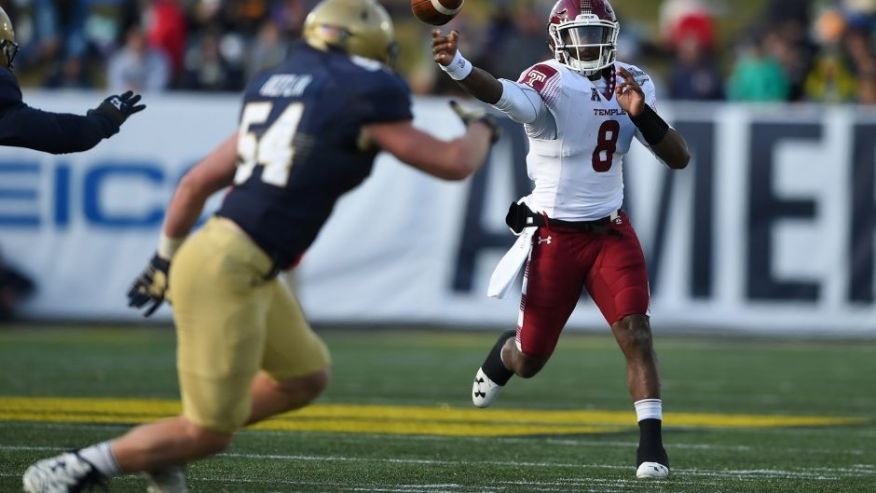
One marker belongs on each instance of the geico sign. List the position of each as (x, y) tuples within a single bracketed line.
[(35, 194)]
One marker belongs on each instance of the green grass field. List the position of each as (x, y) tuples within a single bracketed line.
[(742, 415)]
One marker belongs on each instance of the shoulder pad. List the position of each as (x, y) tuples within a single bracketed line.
[(538, 76)]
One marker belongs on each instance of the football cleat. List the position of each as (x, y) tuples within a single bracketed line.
[(483, 390), (65, 473), (652, 470), (168, 480)]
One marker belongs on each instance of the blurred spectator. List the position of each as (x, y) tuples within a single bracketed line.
[(217, 45), (831, 78), (690, 34), (684, 15), (289, 16), (137, 66), (787, 15), (700, 26), (859, 47), (166, 21), (70, 74), (208, 69), (757, 76), (516, 40), (15, 287), (62, 24), (268, 50), (695, 75)]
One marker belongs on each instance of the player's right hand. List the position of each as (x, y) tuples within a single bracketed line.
[(150, 286), (444, 47), (118, 108)]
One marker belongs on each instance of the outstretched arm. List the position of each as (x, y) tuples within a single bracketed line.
[(449, 160), (522, 103), (61, 133), (665, 142)]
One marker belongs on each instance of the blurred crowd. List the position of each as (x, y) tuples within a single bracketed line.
[(788, 50), (796, 50)]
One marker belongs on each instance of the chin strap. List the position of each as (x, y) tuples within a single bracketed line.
[(611, 78)]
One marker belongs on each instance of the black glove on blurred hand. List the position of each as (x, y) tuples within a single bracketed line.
[(150, 286), (118, 108), (478, 115)]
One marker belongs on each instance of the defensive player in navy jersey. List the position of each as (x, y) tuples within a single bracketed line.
[(309, 132), (57, 133)]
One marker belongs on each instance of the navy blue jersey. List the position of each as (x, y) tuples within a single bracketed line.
[(301, 144), (58, 133)]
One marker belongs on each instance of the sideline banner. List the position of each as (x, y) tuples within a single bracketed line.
[(771, 228)]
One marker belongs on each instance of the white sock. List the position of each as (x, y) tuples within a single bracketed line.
[(101, 457), (649, 409)]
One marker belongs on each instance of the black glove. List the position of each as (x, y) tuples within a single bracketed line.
[(471, 116), (118, 108), (151, 286)]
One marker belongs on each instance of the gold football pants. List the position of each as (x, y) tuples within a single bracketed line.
[(231, 323)]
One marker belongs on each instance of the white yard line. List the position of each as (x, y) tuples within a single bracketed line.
[(820, 474), (571, 442)]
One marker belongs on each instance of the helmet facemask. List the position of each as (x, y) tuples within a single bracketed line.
[(8, 49), (587, 45)]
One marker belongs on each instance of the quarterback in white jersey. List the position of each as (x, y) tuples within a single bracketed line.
[(577, 140), (580, 111)]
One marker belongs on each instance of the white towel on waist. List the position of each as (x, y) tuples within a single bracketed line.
[(508, 268)]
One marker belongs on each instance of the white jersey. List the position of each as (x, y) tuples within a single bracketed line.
[(578, 136)]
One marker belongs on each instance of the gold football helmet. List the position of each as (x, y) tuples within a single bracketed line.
[(358, 27), (8, 48)]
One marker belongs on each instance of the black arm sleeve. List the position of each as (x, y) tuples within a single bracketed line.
[(57, 133)]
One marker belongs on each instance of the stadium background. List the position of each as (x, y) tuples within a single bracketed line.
[(770, 230), (761, 259)]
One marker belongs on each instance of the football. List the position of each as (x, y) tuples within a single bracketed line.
[(436, 12)]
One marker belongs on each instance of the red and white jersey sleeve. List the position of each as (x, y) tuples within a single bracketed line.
[(528, 101), (576, 155)]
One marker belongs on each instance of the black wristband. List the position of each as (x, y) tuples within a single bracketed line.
[(653, 127)]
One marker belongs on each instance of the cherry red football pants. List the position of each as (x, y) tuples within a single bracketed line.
[(610, 265)]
